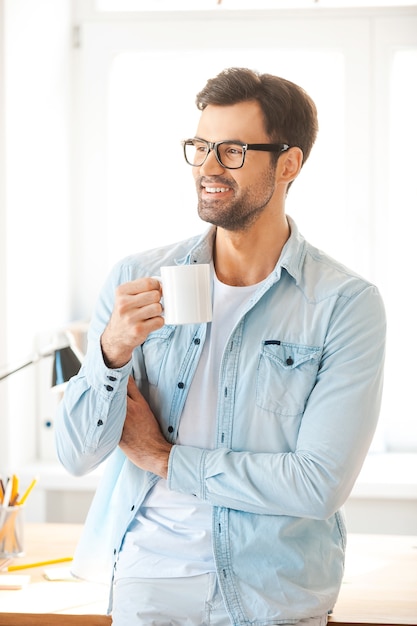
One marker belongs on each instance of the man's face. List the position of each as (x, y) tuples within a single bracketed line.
[(234, 199)]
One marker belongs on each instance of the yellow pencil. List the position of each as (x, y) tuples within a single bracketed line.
[(15, 489), (15, 568), (27, 492)]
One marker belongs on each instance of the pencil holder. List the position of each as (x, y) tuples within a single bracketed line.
[(11, 531)]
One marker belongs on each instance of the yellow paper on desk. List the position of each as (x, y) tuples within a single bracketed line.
[(13, 581)]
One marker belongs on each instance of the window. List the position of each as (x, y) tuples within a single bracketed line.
[(397, 253), (356, 197)]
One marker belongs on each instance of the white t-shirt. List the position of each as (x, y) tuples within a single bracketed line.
[(171, 534)]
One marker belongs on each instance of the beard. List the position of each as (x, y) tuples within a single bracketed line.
[(239, 212)]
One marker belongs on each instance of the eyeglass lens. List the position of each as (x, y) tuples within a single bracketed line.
[(230, 155)]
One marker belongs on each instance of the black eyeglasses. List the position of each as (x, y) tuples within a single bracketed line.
[(229, 154)]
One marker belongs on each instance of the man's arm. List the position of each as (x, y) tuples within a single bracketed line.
[(142, 440), (90, 418)]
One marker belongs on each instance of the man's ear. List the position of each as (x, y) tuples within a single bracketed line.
[(289, 165)]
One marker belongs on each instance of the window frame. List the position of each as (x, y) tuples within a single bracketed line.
[(368, 38)]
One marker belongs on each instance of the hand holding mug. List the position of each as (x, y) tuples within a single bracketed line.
[(137, 312)]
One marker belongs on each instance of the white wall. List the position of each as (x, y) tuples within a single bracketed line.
[(3, 332), (35, 75)]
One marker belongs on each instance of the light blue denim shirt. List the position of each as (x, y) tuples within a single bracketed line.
[(299, 396)]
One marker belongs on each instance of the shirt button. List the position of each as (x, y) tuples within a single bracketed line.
[(181, 385), (100, 423), (170, 429), (112, 378), (290, 361), (109, 387), (197, 341)]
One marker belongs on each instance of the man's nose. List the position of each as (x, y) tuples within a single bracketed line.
[(211, 165)]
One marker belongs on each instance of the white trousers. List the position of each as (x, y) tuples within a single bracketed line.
[(191, 601)]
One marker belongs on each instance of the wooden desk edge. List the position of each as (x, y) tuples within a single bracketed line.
[(336, 622), (53, 619), (61, 619)]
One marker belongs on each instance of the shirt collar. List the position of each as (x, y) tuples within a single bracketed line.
[(291, 258), (293, 253)]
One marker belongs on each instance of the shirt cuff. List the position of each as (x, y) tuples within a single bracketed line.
[(186, 470), (102, 378)]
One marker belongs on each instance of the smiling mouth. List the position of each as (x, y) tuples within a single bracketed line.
[(216, 189)]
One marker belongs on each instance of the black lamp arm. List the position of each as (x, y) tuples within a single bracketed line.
[(17, 369), (21, 367), (66, 364)]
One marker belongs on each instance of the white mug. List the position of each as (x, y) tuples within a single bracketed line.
[(186, 293)]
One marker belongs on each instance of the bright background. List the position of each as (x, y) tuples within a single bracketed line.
[(89, 91)]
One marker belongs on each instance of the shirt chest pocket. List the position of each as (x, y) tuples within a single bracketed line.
[(155, 350), (285, 377)]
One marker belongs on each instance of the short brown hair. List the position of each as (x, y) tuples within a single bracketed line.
[(290, 115)]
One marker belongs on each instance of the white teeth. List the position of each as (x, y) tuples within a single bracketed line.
[(216, 189)]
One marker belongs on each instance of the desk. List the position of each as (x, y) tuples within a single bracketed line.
[(50, 603), (379, 587), (380, 582)]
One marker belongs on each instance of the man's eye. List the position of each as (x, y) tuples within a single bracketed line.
[(234, 151)]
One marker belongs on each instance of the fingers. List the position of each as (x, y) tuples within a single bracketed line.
[(140, 285), (139, 296), (142, 440), (137, 312)]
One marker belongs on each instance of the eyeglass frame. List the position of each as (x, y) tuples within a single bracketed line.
[(213, 147)]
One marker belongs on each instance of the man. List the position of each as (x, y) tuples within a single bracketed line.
[(233, 445)]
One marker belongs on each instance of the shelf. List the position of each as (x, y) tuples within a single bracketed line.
[(391, 476), (54, 477)]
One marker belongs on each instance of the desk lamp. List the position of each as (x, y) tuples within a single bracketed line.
[(66, 362)]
